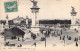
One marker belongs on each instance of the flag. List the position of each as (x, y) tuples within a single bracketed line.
[(11, 6)]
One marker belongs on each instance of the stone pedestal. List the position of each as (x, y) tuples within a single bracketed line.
[(73, 25), (34, 20), (35, 29)]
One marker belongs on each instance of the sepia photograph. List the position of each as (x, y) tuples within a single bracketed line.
[(39, 25)]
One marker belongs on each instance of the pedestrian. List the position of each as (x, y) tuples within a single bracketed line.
[(63, 37), (18, 39), (70, 38), (8, 42), (61, 31), (35, 44), (20, 45), (67, 36), (75, 29), (76, 44), (75, 39), (60, 37)]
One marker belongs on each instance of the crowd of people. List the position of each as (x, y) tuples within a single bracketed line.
[(59, 33), (53, 33)]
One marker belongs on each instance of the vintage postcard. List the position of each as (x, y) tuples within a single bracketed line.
[(39, 25)]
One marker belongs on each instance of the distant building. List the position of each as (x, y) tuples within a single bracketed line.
[(22, 22), (18, 20), (54, 22)]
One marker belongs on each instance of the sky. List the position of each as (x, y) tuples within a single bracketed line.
[(49, 9)]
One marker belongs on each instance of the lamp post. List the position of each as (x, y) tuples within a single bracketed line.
[(6, 25), (7, 20)]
